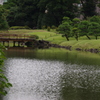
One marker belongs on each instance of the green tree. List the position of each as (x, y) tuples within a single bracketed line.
[(75, 33), (65, 29), (84, 28), (10, 3), (89, 7), (75, 29), (56, 10), (95, 19), (75, 22), (67, 19), (3, 21), (94, 29), (37, 13), (22, 12)]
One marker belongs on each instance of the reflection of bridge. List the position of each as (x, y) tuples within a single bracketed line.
[(6, 39)]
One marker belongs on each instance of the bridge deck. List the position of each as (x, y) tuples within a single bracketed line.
[(20, 39), (14, 39)]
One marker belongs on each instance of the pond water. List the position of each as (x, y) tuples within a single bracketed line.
[(54, 74)]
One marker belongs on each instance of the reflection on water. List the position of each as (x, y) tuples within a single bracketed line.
[(33, 79), (41, 78), (81, 83)]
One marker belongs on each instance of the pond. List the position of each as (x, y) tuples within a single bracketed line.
[(52, 74)]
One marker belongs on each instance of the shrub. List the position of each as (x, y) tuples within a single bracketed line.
[(44, 27), (34, 37), (4, 83), (53, 27), (48, 28), (19, 27)]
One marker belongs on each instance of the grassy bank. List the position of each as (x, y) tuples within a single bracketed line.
[(53, 37)]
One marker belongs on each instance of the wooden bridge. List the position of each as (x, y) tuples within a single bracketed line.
[(14, 39)]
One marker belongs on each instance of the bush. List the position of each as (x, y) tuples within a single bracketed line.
[(19, 27), (48, 28), (44, 27), (57, 29), (53, 27), (34, 37)]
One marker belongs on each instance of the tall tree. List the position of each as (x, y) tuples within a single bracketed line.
[(22, 12), (56, 10), (39, 12), (89, 7)]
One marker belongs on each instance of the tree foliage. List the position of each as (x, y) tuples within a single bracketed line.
[(75, 33), (94, 29), (4, 83), (95, 19), (89, 7), (22, 12), (3, 21), (77, 28), (39, 13), (33, 12), (84, 28), (75, 22), (65, 29)]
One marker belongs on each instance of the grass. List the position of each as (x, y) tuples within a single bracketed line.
[(53, 37)]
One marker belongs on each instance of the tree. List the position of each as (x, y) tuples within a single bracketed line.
[(95, 19), (75, 22), (56, 10), (10, 3), (65, 29), (94, 29), (89, 7), (3, 21), (75, 30), (67, 19), (84, 28), (37, 13), (22, 12), (75, 33)]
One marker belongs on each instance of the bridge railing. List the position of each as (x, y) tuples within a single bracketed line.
[(15, 36)]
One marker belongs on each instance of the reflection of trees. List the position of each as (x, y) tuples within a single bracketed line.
[(1, 97), (80, 84), (71, 93)]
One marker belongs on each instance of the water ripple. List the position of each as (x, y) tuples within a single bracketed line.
[(34, 79)]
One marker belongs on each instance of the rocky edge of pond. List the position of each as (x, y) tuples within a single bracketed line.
[(46, 44)]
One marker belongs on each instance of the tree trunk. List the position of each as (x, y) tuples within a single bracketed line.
[(82, 2), (67, 37), (96, 37), (88, 37), (76, 37)]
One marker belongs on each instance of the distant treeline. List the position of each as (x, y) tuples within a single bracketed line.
[(38, 13)]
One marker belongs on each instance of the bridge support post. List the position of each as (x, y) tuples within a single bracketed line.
[(4, 43), (13, 43), (8, 43), (18, 44)]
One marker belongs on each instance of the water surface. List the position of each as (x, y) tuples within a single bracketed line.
[(52, 75)]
